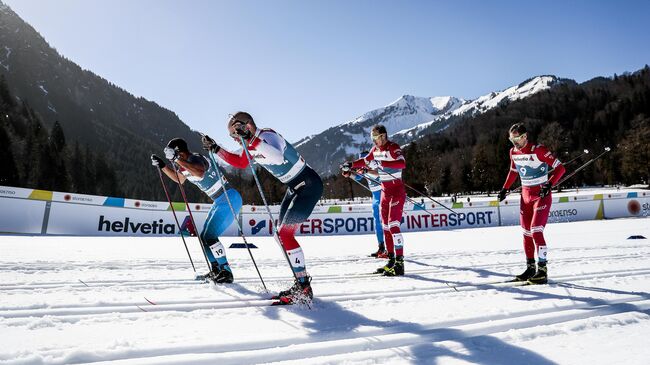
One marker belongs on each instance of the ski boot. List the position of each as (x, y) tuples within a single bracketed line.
[(389, 268), (541, 276), (380, 254), (529, 273), (224, 275), (399, 266), (300, 292)]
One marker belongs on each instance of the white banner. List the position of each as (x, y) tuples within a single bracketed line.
[(21, 215), (29, 211), (74, 219)]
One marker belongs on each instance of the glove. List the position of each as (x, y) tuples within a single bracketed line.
[(502, 194), (209, 144), (346, 166), (545, 190), (157, 161), (374, 165), (171, 154)]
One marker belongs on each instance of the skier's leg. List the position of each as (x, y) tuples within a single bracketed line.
[(525, 217), (541, 209), (296, 207), (219, 219), (384, 211), (379, 230)]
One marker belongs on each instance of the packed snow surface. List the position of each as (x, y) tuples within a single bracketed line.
[(134, 301)]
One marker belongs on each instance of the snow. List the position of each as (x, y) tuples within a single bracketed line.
[(597, 310)]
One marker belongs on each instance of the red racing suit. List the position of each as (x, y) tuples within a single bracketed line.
[(532, 164), (393, 195)]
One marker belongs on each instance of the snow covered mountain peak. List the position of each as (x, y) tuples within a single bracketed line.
[(407, 119)]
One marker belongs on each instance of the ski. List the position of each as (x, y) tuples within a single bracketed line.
[(500, 283)]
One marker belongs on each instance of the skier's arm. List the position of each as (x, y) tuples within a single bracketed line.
[(239, 161), (362, 162), (172, 175), (512, 174), (193, 166)]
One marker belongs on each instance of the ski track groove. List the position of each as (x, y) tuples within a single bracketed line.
[(367, 340), (438, 269), (79, 310)]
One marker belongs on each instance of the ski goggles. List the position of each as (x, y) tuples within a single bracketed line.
[(377, 136), (517, 138)]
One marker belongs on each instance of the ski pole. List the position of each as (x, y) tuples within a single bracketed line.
[(584, 152), (367, 188), (417, 191), (234, 214), (180, 186), (175, 217), (607, 149), (369, 179), (276, 232)]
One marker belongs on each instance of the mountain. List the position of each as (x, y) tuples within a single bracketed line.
[(123, 128), (407, 119)]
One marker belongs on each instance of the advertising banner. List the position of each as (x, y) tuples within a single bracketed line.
[(73, 219), (21, 215), (30, 211)]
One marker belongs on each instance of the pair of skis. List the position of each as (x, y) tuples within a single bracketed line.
[(275, 299)]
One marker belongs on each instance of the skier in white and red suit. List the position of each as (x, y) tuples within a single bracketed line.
[(386, 157), (304, 188), (532, 163)]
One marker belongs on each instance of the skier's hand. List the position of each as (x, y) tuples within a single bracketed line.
[(346, 166), (157, 161), (241, 131), (502, 194), (171, 154), (374, 165), (545, 190), (209, 144)]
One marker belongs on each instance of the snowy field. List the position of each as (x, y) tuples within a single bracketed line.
[(133, 301)]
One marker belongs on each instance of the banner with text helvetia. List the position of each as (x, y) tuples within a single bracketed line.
[(30, 211)]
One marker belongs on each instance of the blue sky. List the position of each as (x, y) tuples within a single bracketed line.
[(303, 66)]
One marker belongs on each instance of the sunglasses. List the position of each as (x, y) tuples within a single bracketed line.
[(376, 136), (517, 138)]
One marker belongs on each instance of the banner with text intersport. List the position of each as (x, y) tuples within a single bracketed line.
[(30, 211)]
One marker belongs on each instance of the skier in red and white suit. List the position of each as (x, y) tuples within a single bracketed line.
[(532, 163), (386, 157)]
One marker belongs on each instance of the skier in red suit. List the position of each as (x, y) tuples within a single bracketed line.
[(386, 157), (538, 170)]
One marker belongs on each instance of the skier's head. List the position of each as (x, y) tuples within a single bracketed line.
[(518, 135), (178, 144), (241, 124), (379, 135)]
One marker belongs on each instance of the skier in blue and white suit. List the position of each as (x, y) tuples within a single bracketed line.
[(375, 188), (201, 172)]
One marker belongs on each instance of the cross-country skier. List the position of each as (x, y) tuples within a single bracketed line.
[(372, 177), (304, 188), (386, 157), (201, 172), (538, 170)]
